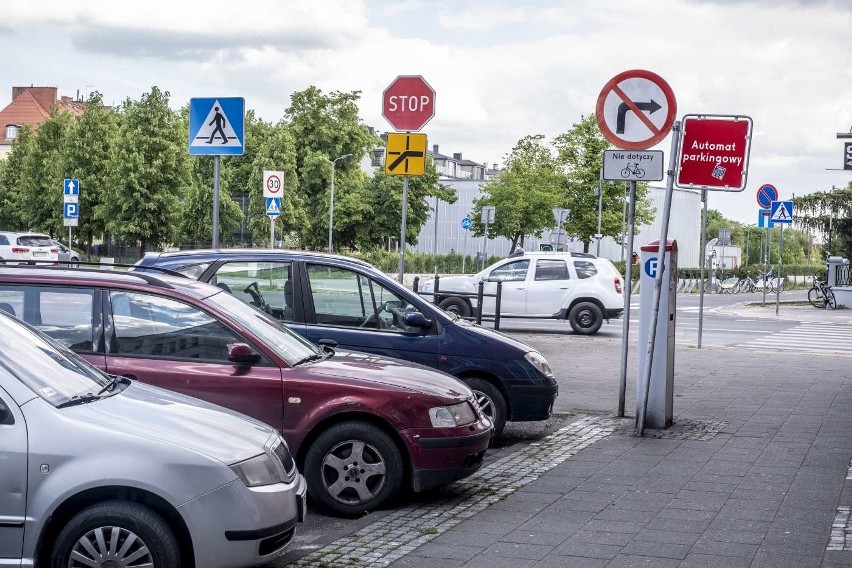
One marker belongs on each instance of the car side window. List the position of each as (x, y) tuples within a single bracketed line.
[(4, 241), (585, 268), (162, 328), (511, 272), (346, 298), (265, 285), (65, 314), (6, 416), (551, 269)]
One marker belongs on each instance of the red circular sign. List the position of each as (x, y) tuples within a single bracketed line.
[(636, 109), (408, 103), (273, 184)]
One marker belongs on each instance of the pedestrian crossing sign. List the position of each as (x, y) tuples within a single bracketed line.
[(217, 126), (781, 212), (273, 207)]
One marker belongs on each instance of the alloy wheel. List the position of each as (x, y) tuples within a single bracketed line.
[(353, 472)]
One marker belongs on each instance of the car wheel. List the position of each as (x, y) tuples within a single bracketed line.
[(455, 306), (116, 533), (586, 318), (352, 468), (490, 401)]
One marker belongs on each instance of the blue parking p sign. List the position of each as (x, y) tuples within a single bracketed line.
[(71, 210), (651, 267)]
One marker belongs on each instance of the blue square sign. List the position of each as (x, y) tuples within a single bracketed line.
[(217, 126)]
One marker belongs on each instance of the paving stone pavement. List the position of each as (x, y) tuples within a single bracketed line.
[(756, 472)]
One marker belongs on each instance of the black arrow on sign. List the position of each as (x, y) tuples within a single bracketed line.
[(651, 107)]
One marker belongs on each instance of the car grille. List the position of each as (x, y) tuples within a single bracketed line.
[(286, 459)]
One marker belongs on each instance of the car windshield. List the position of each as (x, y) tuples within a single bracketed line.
[(51, 371), (288, 344)]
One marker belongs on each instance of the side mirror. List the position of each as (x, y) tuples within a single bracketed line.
[(242, 353), (416, 319), (327, 344)]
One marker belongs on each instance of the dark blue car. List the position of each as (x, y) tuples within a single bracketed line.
[(330, 297)]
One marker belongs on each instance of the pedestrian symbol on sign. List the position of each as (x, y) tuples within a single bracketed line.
[(218, 126)]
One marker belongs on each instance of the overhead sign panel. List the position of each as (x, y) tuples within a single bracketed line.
[(405, 155), (633, 165), (714, 152), (636, 109), (217, 126)]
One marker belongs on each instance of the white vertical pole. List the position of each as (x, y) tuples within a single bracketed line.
[(658, 280)]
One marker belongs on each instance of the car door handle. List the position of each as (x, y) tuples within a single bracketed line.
[(563, 287)]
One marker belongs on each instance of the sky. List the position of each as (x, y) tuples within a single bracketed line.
[(501, 70)]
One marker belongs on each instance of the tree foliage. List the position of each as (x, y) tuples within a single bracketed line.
[(822, 210), (581, 151)]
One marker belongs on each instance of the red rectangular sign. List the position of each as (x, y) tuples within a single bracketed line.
[(714, 152)]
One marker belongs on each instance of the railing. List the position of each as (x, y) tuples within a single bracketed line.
[(480, 295), (841, 275)]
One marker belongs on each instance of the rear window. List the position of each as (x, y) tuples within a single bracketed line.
[(34, 241), (585, 268)]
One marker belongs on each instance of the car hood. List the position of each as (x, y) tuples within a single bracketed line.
[(492, 335), (157, 414), (363, 368)]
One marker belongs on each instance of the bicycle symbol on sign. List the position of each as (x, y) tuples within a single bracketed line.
[(632, 169)]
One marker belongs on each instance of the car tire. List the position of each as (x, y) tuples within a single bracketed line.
[(456, 306), (97, 524), (344, 449), (490, 401), (586, 318)]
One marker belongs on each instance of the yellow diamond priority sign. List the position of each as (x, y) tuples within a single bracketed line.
[(405, 155)]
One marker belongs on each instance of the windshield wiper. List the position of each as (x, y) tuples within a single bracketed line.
[(308, 359), (113, 382), (79, 399)]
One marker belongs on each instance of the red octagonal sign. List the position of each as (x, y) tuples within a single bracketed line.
[(408, 103)]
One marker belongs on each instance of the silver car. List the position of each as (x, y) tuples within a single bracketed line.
[(97, 470)]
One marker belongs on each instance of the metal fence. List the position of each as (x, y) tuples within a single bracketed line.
[(841, 275), (480, 294)]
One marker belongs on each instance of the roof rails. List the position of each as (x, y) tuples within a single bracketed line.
[(91, 266)]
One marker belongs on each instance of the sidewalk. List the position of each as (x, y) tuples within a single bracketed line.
[(753, 474)]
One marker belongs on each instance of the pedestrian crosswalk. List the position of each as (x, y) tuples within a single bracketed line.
[(808, 337)]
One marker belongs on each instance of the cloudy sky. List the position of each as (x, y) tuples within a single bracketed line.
[(502, 70)]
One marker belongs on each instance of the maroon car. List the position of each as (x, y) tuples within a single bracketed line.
[(361, 426)]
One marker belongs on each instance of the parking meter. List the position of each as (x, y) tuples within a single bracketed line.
[(660, 393)]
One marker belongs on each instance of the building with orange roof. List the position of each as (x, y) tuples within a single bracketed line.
[(31, 106)]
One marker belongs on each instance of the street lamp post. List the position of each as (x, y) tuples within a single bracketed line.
[(331, 202)]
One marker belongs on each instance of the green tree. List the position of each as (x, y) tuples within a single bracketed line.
[(821, 210), (150, 172), (11, 182), (42, 174), (523, 194), (90, 160), (581, 152), (327, 126), (375, 214)]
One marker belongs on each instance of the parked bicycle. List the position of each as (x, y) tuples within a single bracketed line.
[(746, 284), (821, 295)]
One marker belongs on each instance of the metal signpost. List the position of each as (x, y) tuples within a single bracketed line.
[(407, 104), (713, 156), (488, 212), (782, 213), (560, 215), (635, 110), (217, 128), (766, 194), (273, 191), (466, 224), (70, 205)]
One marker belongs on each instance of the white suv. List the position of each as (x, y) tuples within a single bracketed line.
[(575, 286), (20, 248)]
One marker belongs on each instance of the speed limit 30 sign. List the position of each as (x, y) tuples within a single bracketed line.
[(273, 183)]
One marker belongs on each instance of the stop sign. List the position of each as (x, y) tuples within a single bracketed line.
[(408, 103)]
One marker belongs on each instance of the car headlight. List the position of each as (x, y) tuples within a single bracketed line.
[(451, 416), (538, 361), (256, 471)]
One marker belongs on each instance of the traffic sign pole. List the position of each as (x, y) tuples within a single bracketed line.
[(216, 201), (402, 235), (778, 276), (628, 285)]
